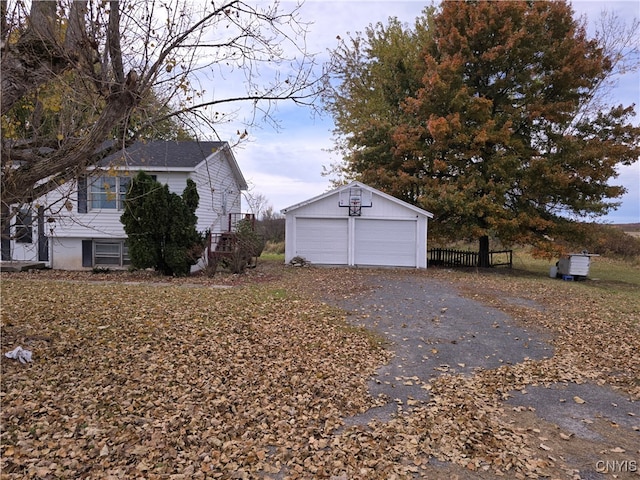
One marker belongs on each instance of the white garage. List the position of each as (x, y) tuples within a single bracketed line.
[(357, 225)]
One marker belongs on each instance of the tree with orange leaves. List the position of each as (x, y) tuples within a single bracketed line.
[(504, 136)]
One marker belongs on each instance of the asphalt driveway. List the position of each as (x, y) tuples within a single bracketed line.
[(432, 329)]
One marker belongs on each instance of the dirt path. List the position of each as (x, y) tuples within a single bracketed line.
[(434, 330)]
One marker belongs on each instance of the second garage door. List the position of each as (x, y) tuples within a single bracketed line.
[(385, 242)]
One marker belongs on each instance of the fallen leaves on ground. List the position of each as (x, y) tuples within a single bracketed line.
[(173, 379), (595, 328), (154, 380)]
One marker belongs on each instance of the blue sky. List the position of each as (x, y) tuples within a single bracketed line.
[(285, 165)]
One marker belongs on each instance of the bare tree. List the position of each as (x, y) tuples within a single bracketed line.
[(258, 203), (271, 225), (104, 60)]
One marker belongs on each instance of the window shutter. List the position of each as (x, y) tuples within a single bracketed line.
[(82, 194), (87, 253), (5, 244), (5, 233), (43, 241)]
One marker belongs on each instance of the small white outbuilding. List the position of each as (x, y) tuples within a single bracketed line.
[(574, 265), (357, 225)]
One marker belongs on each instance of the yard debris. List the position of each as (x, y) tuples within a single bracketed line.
[(19, 353), (299, 262)]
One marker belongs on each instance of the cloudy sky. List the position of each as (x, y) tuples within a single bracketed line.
[(285, 166)]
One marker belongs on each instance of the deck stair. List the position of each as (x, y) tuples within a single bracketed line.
[(231, 248)]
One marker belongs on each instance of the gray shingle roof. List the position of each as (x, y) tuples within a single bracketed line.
[(160, 153)]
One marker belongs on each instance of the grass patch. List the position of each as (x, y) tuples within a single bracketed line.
[(273, 251), (607, 269), (279, 293), (273, 257), (604, 270), (274, 248), (523, 260)]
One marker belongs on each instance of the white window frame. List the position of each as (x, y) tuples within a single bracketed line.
[(120, 257), (107, 192)]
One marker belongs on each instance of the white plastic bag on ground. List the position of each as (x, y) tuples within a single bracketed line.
[(19, 353)]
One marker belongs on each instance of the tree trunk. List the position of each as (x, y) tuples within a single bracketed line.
[(483, 257), (35, 58)]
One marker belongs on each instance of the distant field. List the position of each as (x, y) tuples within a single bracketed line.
[(630, 228)]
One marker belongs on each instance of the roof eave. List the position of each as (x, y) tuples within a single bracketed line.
[(145, 168), (233, 163)]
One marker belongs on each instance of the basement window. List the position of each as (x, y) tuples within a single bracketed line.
[(115, 254)]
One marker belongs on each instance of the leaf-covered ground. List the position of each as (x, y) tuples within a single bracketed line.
[(143, 377)]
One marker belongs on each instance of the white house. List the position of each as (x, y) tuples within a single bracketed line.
[(78, 226), (357, 225)]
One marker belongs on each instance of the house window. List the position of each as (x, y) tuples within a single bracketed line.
[(108, 192), (114, 253), (24, 224)]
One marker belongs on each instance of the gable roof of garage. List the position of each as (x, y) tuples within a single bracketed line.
[(391, 198)]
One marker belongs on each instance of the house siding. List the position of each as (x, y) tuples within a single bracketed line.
[(106, 222), (67, 225), (67, 253), (219, 193)]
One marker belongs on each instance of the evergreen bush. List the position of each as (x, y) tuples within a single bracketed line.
[(161, 226)]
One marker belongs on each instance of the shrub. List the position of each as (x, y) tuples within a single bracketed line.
[(161, 226), (611, 241)]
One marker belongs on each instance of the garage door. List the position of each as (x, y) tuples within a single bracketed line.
[(322, 240), (385, 242)]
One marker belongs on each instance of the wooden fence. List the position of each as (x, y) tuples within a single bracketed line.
[(501, 258), (447, 257)]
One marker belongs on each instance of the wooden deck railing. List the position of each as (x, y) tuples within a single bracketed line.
[(447, 257), (235, 218)]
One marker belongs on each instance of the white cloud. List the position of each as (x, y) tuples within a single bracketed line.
[(629, 211), (286, 167), (282, 191)]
